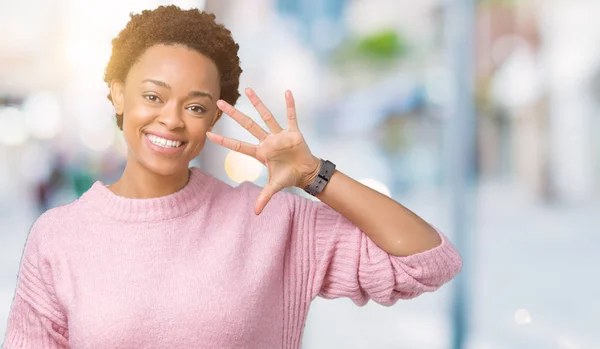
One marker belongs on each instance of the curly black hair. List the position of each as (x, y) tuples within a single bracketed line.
[(171, 25)]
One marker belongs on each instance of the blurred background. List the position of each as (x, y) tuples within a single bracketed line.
[(480, 116)]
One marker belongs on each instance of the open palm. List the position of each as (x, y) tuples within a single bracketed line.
[(283, 151)]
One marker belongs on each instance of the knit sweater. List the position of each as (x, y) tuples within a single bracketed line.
[(198, 269)]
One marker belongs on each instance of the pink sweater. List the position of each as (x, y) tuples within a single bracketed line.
[(197, 269)]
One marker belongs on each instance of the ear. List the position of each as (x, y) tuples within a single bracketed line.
[(117, 92), (218, 115)]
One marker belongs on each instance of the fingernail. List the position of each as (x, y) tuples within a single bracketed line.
[(221, 103), (249, 92)]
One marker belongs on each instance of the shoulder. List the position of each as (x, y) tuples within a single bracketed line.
[(53, 224), (59, 215)]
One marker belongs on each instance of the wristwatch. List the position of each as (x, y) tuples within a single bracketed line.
[(325, 173)]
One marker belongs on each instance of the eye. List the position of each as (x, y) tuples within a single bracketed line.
[(152, 98), (196, 109)]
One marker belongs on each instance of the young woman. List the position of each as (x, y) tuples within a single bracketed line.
[(170, 257)]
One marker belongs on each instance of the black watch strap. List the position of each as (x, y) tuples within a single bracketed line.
[(325, 173)]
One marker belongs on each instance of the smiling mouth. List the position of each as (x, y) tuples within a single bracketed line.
[(165, 143)]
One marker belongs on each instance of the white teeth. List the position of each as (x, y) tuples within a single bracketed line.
[(165, 143)]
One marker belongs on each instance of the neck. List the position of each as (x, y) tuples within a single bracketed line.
[(138, 182)]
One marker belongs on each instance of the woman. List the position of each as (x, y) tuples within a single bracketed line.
[(170, 257)]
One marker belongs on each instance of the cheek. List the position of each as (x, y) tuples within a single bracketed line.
[(197, 135), (135, 117), (139, 112)]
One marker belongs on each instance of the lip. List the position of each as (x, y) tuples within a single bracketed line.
[(161, 150), (170, 137)]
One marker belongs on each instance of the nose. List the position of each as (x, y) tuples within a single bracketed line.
[(171, 117)]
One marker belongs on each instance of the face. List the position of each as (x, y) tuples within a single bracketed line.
[(168, 103)]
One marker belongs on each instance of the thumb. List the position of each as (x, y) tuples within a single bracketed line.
[(265, 196)]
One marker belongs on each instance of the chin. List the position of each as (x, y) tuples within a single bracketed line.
[(166, 168), (162, 167)]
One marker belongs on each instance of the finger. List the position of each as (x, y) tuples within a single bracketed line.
[(233, 144), (291, 111), (243, 120), (264, 112), (265, 196)]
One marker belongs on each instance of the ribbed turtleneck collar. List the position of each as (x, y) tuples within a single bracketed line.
[(161, 208)]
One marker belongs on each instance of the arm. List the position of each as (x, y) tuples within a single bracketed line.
[(357, 243), (290, 163), (368, 246), (344, 262), (36, 319), (393, 227), (29, 328)]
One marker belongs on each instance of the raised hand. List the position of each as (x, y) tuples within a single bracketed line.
[(283, 151)]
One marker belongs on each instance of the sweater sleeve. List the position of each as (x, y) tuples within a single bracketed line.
[(36, 319), (344, 262)]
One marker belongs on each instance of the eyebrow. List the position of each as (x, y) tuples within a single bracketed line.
[(190, 94)]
